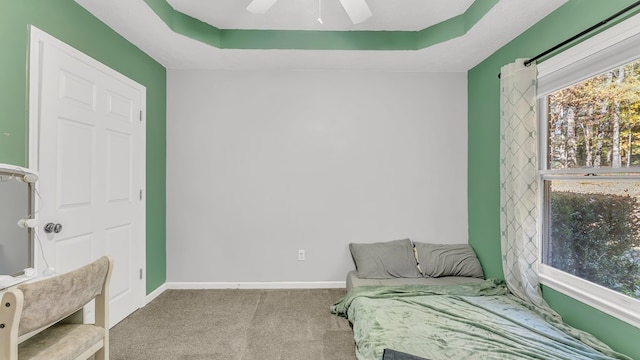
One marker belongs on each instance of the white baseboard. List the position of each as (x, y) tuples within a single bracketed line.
[(258, 285), (155, 293), (244, 285)]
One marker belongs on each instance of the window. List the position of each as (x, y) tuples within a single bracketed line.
[(593, 215), (594, 231), (589, 111)]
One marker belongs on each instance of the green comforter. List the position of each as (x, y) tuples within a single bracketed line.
[(470, 321)]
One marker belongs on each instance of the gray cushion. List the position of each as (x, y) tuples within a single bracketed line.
[(438, 260), (384, 260)]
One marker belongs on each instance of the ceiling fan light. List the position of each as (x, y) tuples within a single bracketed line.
[(260, 6)]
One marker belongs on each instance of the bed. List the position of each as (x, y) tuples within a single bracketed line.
[(456, 314)]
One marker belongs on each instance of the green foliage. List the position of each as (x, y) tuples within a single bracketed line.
[(593, 236)]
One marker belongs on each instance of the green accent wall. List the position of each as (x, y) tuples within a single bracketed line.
[(484, 157), (69, 22), (320, 40)]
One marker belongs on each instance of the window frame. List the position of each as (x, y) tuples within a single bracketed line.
[(615, 46)]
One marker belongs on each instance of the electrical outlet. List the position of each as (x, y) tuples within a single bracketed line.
[(301, 255)]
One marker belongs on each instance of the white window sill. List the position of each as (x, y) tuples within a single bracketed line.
[(610, 302)]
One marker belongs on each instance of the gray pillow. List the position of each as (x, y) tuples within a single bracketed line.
[(436, 260), (385, 260)]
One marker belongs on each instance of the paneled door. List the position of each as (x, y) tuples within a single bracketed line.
[(90, 156)]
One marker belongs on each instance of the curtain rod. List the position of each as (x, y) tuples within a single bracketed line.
[(581, 34)]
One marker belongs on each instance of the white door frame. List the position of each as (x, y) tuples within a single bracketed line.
[(37, 39)]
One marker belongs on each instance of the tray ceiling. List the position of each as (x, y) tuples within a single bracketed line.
[(402, 35)]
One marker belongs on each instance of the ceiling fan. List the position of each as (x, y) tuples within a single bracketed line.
[(357, 10)]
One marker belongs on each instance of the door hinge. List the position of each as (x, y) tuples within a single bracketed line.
[(140, 274), (140, 194), (140, 115)]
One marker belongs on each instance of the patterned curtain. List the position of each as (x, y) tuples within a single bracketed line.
[(518, 180)]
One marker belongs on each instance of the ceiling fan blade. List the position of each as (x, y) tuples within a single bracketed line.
[(357, 10), (260, 6)]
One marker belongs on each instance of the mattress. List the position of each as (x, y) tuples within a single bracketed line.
[(476, 320), (354, 281)]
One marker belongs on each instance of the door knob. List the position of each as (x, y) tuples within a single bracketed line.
[(51, 227)]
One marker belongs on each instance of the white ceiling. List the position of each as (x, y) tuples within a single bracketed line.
[(408, 15), (135, 21)]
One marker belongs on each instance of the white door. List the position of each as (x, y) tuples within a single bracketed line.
[(91, 160)]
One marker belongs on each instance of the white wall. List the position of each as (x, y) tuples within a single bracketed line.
[(261, 164)]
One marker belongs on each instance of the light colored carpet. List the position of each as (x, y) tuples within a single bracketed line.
[(236, 325)]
